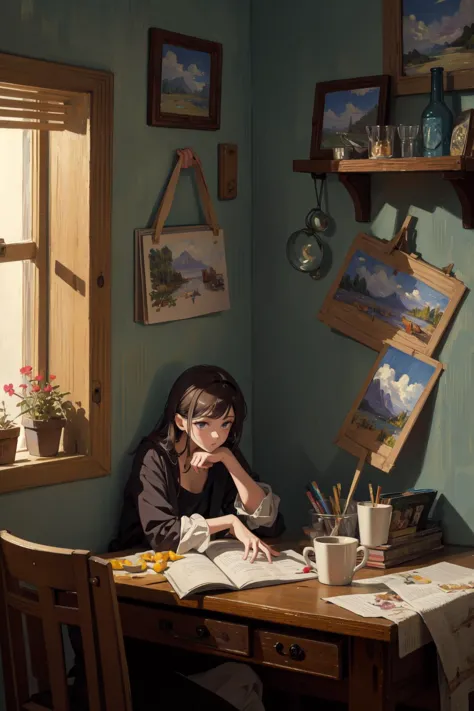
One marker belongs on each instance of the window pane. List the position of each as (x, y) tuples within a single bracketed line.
[(15, 184), (11, 333)]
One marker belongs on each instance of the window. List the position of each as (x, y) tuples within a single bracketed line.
[(55, 175)]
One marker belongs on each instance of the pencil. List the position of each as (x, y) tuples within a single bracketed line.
[(378, 495), (371, 492), (312, 501), (336, 500), (320, 497)]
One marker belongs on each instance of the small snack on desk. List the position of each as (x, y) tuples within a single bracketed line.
[(118, 564), (174, 556), (148, 557), (160, 566)]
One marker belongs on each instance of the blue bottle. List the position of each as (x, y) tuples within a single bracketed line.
[(436, 119)]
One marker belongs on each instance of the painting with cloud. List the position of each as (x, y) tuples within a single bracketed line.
[(437, 33), (349, 111), (390, 399), (382, 292), (388, 405), (185, 274), (185, 81)]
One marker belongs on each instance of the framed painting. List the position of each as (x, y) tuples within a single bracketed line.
[(184, 81), (388, 405), (181, 277), (462, 138), (347, 106), (381, 295), (421, 34)]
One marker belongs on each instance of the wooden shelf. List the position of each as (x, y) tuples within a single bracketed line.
[(355, 176)]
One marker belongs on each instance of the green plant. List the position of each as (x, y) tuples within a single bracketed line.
[(40, 399), (5, 422)]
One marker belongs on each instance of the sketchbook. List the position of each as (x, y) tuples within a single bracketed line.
[(221, 567)]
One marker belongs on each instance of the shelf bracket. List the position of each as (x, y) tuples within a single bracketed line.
[(358, 187), (463, 184)]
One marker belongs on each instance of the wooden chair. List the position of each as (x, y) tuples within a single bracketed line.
[(51, 587)]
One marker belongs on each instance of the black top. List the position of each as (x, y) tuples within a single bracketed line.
[(154, 501)]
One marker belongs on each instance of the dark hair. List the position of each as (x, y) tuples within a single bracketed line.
[(201, 391)]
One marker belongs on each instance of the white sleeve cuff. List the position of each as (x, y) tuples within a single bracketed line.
[(265, 513), (194, 534)]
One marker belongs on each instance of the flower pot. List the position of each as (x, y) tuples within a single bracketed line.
[(8, 442), (43, 437)]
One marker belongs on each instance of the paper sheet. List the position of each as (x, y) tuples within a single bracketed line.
[(443, 594)]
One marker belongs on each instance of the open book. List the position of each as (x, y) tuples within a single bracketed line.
[(221, 567)]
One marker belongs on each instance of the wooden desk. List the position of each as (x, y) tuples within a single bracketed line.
[(326, 651)]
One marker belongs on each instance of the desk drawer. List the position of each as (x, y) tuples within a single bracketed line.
[(184, 630), (299, 653)]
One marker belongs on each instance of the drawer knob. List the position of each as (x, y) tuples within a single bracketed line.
[(297, 653), (279, 648), (165, 625), (202, 632)]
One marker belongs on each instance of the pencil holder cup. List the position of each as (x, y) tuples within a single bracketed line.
[(344, 524), (374, 523)]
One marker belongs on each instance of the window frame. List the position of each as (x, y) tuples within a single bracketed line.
[(99, 85)]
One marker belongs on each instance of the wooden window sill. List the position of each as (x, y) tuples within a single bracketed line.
[(29, 472)]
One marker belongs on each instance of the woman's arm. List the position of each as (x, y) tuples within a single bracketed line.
[(244, 495)]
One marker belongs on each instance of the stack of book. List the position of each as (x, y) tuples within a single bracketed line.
[(404, 548)]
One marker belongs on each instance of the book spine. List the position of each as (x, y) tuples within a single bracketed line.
[(406, 559), (414, 547)]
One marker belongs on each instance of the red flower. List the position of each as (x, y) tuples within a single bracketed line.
[(39, 378), (47, 389), (9, 389), (26, 370), (23, 386), (52, 377), (36, 388)]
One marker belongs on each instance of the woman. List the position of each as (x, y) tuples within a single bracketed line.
[(189, 481)]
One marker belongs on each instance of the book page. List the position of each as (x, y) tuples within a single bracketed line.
[(287, 567), (196, 572)]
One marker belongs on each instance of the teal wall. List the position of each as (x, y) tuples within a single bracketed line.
[(305, 376), (112, 35)]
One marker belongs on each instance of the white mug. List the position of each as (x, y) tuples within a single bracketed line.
[(336, 558), (374, 523)]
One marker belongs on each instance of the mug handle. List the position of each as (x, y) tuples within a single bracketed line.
[(365, 552), (306, 553)]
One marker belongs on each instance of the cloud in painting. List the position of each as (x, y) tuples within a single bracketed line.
[(403, 393), (333, 121), (380, 285), (363, 92), (421, 35), (172, 69)]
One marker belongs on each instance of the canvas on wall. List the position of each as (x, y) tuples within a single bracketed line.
[(422, 34), (389, 404), (347, 106), (183, 276), (184, 81), (379, 295)]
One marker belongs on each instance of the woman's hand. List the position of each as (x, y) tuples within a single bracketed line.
[(205, 460), (251, 541)]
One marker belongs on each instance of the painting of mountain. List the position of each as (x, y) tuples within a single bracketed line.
[(185, 274), (349, 111), (185, 80), (378, 291), (391, 397), (437, 33)]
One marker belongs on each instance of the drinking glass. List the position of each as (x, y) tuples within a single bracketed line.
[(408, 136), (324, 524), (380, 141)]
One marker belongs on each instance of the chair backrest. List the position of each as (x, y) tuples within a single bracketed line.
[(56, 587)]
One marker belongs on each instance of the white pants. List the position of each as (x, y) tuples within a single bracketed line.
[(236, 683)]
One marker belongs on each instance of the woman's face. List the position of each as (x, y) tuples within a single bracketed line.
[(208, 433)]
